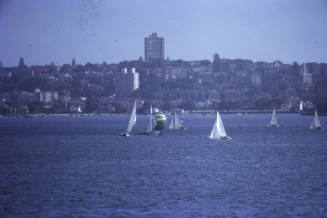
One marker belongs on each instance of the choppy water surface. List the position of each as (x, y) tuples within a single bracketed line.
[(69, 166)]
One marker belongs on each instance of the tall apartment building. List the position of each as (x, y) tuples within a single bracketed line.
[(126, 83), (153, 47)]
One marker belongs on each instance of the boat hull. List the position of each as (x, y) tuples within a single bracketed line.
[(126, 134), (222, 138), (143, 133), (317, 128), (273, 126), (179, 128)]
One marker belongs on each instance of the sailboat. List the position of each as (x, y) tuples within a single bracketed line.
[(175, 123), (218, 130), (301, 106), (315, 124), (131, 122), (149, 127), (273, 121), (150, 122)]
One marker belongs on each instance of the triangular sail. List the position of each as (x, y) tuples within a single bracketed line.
[(312, 124), (214, 132), (317, 121), (149, 127), (178, 123), (175, 123), (172, 122), (315, 124), (218, 130), (132, 119), (301, 106), (221, 128), (273, 121)]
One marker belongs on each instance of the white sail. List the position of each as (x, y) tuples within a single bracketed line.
[(301, 106), (175, 123), (218, 130), (178, 123), (150, 124), (214, 132), (132, 119), (273, 121), (315, 124), (172, 123)]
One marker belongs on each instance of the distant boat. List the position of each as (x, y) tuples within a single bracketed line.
[(301, 106), (273, 121), (131, 122), (218, 130), (161, 120), (175, 123), (149, 127), (315, 124), (150, 122)]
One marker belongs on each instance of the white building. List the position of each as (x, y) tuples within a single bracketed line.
[(126, 83)]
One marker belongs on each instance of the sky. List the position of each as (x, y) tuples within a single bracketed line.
[(45, 31)]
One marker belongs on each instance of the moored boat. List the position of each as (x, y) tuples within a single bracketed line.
[(218, 130)]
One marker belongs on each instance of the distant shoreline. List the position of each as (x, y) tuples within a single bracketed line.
[(203, 112)]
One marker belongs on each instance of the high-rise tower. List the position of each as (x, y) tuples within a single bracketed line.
[(153, 48)]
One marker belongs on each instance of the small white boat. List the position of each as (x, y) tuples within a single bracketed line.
[(218, 130), (315, 124), (131, 122), (273, 121)]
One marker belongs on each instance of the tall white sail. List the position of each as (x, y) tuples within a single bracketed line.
[(175, 123), (301, 106), (132, 119), (150, 122), (315, 124), (172, 123), (273, 121), (218, 130)]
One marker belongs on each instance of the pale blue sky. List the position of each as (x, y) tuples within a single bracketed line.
[(42, 31)]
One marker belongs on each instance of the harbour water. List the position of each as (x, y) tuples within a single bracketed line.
[(66, 166)]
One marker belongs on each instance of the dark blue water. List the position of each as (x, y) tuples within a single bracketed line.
[(67, 166)]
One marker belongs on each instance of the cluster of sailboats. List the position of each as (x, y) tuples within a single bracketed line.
[(158, 121), (315, 124), (218, 131)]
